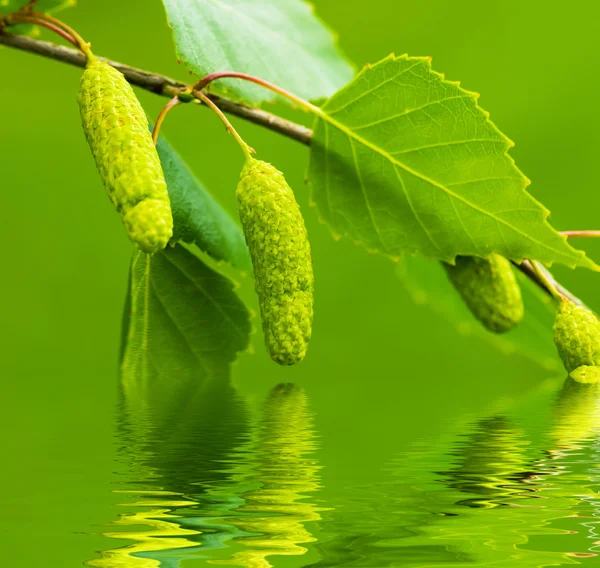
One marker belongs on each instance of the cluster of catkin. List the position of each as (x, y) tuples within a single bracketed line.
[(116, 128), (117, 131), (492, 293)]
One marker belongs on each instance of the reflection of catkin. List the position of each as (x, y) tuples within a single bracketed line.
[(577, 336), (116, 128), (576, 416), (280, 251), (276, 514), (490, 290)]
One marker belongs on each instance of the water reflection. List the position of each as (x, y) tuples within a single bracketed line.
[(576, 416), (175, 445), (274, 513), (569, 478), (513, 492), (212, 479), (207, 478), (490, 465)]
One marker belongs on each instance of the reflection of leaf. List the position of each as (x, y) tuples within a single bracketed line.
[(197, 216), (180, 416), (161, 535), (427, 283), (174, 437), (182, 320), (277, 40), (404, 161)]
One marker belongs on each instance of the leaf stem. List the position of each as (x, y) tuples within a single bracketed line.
[(543, 278), (161, 117), (168, 87), (205, 81), (580, 233), (15, 19), (248, 151), (159, 85), (83, 45)]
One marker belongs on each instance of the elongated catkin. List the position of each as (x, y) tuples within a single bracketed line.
[(116, 129), (577, 336), (490, 290), (280, 251)]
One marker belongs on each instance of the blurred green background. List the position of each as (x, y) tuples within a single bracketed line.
[(66, 256)]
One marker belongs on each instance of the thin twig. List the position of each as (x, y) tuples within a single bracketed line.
[(526, 268), (208, 79), (25, 19), (83, 46), (170, 88), (160, 85), (571, 234), (247, 150), (161, 117), (548, 283)]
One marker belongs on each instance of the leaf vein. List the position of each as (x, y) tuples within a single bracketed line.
[(409, 111), (353, 135), (371, 91)]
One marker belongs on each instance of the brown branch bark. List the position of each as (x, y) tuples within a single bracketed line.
[(167, 87), (159, 84)]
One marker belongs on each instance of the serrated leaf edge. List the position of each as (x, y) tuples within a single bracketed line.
[(509, 144)]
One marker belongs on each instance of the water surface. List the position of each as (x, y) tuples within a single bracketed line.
[(226, 480)]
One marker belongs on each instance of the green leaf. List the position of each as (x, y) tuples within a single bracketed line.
[(9, 6), (404, 161), (277, 40), (45, 6), (183, 327), (197, 216), (182, 319), (427, 283)]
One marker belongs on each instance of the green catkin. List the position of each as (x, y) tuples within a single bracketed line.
[(278, 243), (577, 339), (586, 374), (116, 129), (490, 290)]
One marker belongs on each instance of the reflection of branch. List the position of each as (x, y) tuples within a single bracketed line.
[(159, 84), (167, 87)]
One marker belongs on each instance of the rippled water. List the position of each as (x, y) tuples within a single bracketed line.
[(209, 478)]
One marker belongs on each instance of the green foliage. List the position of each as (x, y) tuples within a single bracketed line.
[(9, 6), (182, 319), (278, 243), (277, 40), (489, 288), (427, 283), (405, 162), (402, 161), (47, 6), (198, 218)]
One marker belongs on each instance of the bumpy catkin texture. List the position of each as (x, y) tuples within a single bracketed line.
[(490, 290), (116, 128), (577, 336), (280, 251)]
